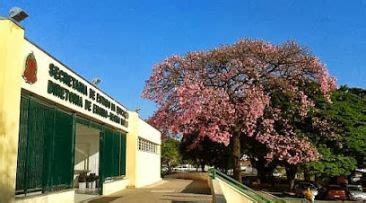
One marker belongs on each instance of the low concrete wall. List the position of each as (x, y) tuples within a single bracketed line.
[(231, 194), (216, 191), (56, 197), (115, 186), (223, 191)]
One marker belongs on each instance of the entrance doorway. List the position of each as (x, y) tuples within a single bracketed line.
[(87, 160)]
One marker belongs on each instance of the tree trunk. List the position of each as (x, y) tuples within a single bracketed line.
[(264, 169), (306, 175), (291, 171), (202, 167), (236, 157), (261, 173)]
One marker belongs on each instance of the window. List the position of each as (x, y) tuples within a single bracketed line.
[(147, 146)]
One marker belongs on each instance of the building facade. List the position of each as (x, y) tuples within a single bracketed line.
[(60, 134)]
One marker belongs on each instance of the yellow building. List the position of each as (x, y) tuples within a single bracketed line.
[(60, 134)]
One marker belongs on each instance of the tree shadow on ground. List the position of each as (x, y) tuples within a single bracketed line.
[(194, 201), (196, 192), (187, 198), (104, 200), (197, 187)]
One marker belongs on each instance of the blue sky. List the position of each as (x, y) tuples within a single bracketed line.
[(119, 41)]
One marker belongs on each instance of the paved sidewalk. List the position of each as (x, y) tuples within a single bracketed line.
[(167, 191)]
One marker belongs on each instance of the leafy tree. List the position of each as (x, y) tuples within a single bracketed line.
[(226, 93), (206, 152), (170, 156), (344, 122), (330, 164), (349, 112)]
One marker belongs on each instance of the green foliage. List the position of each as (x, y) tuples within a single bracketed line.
[(170, 156), (349, 109), (331, 164), (356, 140), (341, 135), (205, 152)]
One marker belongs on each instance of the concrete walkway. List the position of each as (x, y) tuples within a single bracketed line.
[(167, 191)]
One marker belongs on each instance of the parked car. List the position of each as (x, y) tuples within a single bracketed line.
[(336, 192), (184, 167), (355, 192), (301, 188), (355, 179), (276, 174), (181, 168)]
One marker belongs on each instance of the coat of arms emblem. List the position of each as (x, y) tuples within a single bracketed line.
[(30, 70)]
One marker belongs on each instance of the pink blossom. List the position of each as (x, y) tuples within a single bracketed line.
[(227, 90)]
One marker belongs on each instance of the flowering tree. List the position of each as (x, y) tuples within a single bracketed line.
[(237, 90)]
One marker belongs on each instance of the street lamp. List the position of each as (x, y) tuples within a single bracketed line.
[(17, 14), (96, 81)]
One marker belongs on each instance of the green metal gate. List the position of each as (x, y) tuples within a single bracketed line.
[(113, 154), (46, 148)]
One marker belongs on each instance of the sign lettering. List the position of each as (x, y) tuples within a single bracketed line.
[(103, 106)]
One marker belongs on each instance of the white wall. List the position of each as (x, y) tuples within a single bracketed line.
[(148, 132), (148, 168), (148, 163), (87, 149), (115, 186), (55, 197)]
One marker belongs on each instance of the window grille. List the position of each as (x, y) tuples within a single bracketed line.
[(147, 146)]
